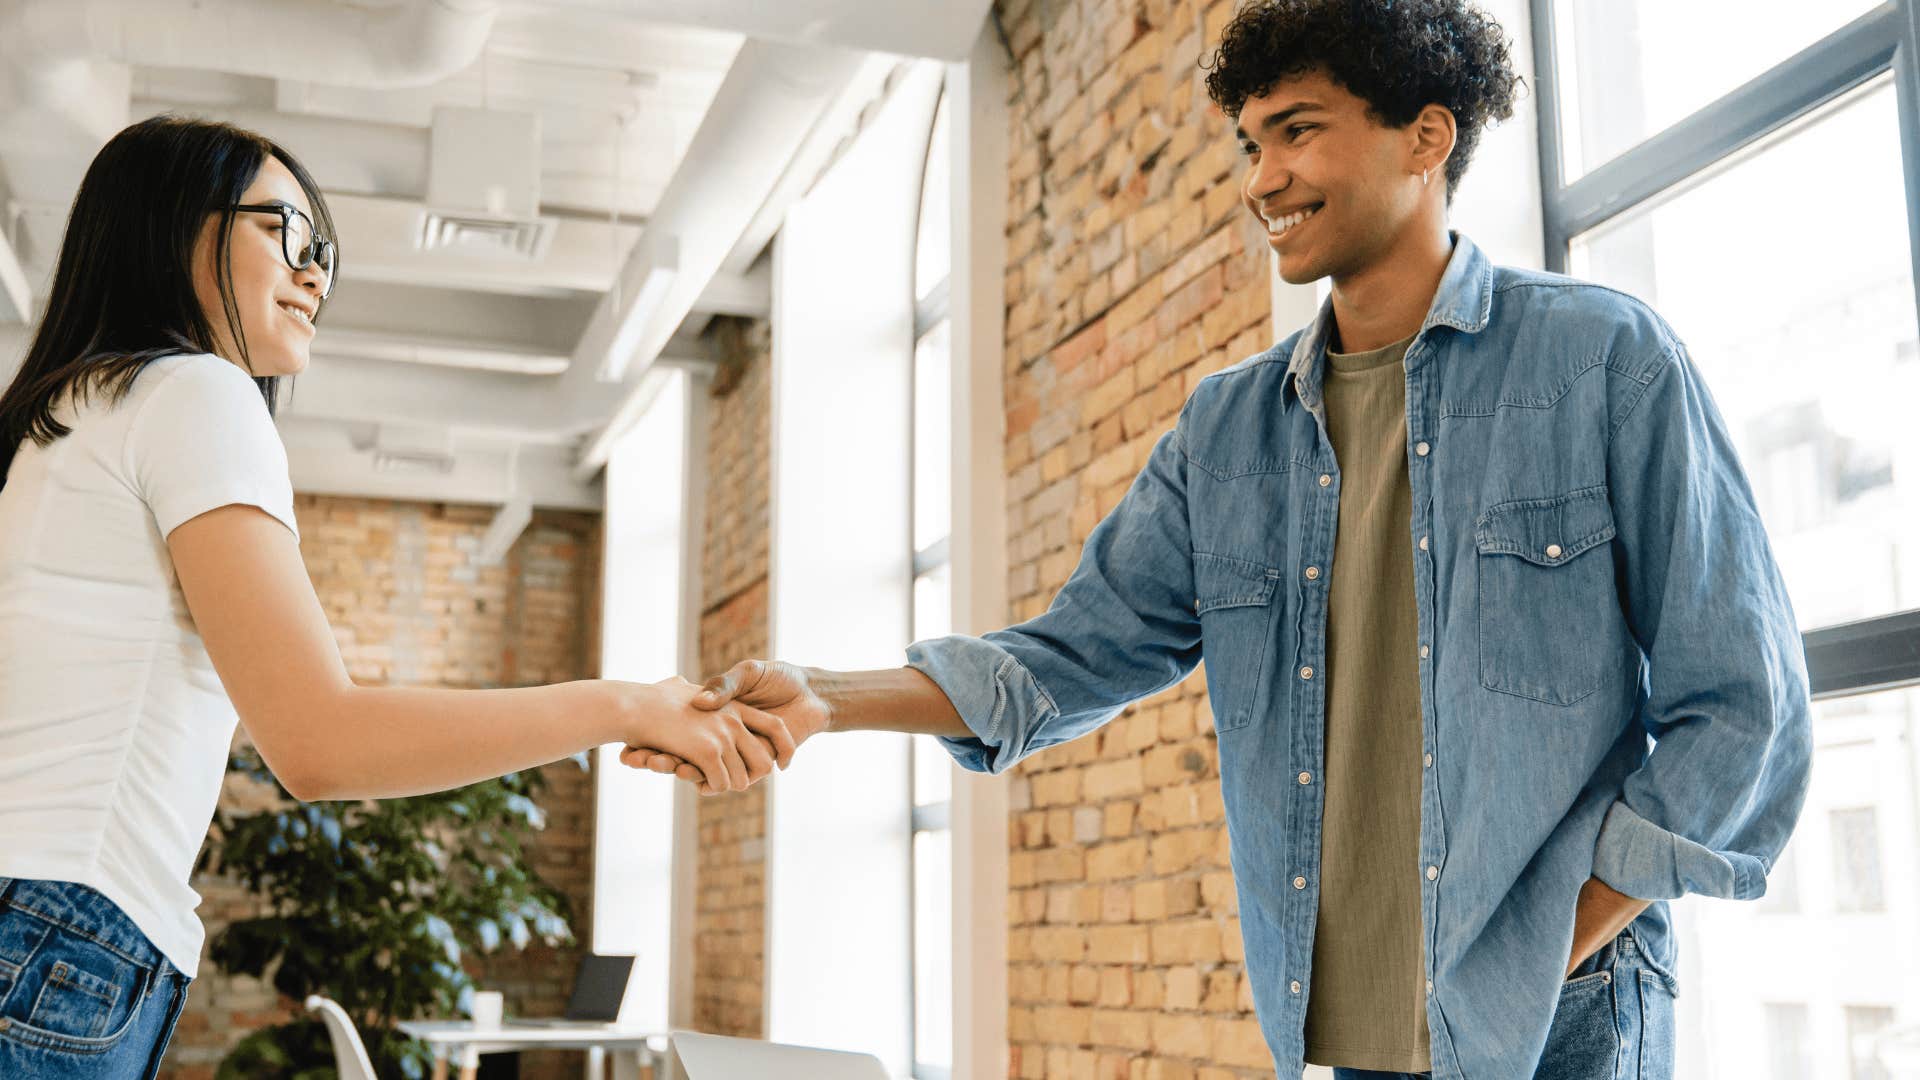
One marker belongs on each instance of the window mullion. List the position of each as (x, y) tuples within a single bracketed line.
[(1824, 71)]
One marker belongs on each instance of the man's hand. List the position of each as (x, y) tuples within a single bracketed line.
[(768, 685), (727, 747), (1598, 917)]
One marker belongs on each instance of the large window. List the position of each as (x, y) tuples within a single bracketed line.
[(643, 604), (1752, 171)]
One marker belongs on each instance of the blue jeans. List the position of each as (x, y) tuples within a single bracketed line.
[(83, 993), (1614, 1021)]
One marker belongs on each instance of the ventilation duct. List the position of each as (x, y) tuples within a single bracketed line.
[(483, 186)]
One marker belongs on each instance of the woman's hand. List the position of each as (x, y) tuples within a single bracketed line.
[(780, 688), (733, 747)]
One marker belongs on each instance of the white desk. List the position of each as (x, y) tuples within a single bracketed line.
[(448, 1037)]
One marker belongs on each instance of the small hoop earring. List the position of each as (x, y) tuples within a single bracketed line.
[(1423, 176)]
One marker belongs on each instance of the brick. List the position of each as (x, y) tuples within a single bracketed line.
[(1067, 944), (1179, 1035), (1218, 893), (1117, 861), (1183, 987), (1107, 781), (1239, 1042), (1129, 944), (1193, 941)]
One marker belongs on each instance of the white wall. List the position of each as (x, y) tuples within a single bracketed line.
[(977, 112)]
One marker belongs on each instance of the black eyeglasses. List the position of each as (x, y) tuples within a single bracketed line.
[(300, 242)]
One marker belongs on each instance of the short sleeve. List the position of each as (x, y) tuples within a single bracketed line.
[(202, 439)]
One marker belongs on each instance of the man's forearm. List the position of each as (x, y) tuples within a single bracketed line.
[(1599, 916), (895, 699)]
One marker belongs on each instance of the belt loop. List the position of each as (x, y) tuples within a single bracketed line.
[(1608, 956), (6, 891)]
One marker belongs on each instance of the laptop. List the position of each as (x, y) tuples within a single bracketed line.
[(599, 985), (717, 1057)]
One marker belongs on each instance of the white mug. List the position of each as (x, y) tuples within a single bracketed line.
[(487, 1008)]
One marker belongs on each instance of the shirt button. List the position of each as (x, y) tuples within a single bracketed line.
[(1422, 449), (1429, 761), (1553, 551), (1306, 778), (1313, 573), (1299, 883), (1429, 986), (1432, 872), (1425, 652), (1306, 673), (1325, 480), (1294, 986), (1423, 543)]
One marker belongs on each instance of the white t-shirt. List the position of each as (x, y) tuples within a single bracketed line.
[(114, 728)]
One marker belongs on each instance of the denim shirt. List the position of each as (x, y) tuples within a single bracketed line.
[(1612, 681)]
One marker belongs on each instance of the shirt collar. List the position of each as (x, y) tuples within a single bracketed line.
[(1463, 301)]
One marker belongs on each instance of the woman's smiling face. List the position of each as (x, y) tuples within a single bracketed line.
[(276, 304)]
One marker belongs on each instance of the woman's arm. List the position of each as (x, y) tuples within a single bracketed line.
[(326, 738)]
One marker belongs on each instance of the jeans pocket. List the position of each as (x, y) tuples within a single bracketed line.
[(74, 994), (1583, 1041), (1656, 1026), (1550, 622)]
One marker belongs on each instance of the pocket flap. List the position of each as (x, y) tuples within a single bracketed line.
[(1222, 582), (1547, 532)]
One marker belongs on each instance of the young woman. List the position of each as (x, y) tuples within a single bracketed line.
[(152, 594)]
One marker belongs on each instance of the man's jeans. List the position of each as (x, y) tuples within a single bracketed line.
[(1614, 1020)]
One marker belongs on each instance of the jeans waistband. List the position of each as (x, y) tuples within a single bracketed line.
[(84, 911)]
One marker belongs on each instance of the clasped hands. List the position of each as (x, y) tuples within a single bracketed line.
[(733, 732)]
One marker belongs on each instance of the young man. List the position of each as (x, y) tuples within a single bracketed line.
[(1453, 555)]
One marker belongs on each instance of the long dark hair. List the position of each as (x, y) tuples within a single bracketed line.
[(122, 293)]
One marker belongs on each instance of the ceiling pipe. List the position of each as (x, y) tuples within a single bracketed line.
[(771, 98), (944, 30), (66, 87), (63, 63), (413, 43)]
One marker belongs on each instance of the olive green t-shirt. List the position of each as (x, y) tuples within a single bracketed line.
[(1367, 1005)]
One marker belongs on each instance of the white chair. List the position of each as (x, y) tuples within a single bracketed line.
[(349, 1054)]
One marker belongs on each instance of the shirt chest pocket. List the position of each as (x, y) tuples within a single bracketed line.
[(1550, 622), (1234, 599)]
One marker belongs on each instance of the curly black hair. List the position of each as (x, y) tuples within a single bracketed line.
[(1399, 56)]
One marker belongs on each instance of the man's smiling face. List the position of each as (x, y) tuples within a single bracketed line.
[(1327, 180)]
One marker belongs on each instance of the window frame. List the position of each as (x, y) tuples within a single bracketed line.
[(1872, 655), (930, 311)]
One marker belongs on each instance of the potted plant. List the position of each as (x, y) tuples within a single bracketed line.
[(377, 905)]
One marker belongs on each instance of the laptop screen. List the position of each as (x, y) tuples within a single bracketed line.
[(598, 987)]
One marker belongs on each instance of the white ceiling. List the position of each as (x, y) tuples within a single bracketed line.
[(484, 352)]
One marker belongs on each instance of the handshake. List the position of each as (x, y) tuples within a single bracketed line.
[(730, 734)]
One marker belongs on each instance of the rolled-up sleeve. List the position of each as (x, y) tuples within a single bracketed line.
[(1717, 798), (1123, 627)]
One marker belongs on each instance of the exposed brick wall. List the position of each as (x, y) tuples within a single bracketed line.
[(409, 607), (1132, 274), (730, 921)]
